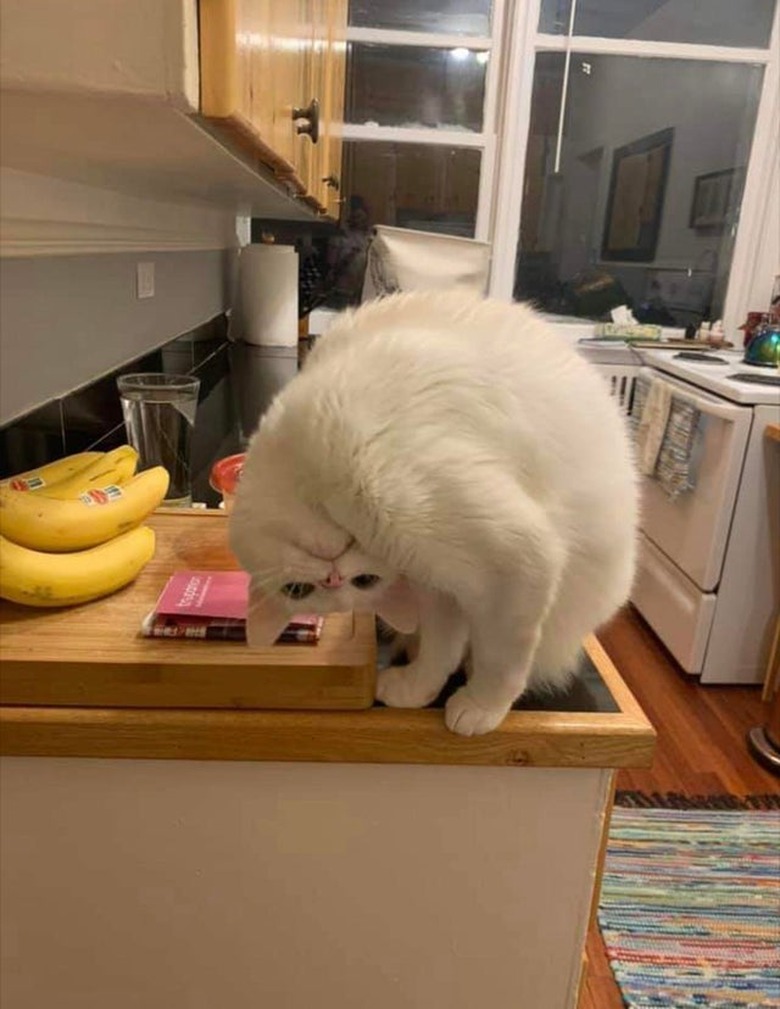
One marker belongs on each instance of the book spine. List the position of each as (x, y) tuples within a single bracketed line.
[(221, 632), (305, 636), (202, 632)]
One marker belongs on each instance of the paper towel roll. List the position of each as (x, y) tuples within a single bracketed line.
[(267, 301)]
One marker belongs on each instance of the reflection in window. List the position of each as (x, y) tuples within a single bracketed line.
[(706, 22), (424, 186), (644, 207), (428, 187), (416, 86)]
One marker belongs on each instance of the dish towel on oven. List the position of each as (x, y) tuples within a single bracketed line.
[(652, 425), (665, 428)]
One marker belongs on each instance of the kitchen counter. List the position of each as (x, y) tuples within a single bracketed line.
[(540, 738), (255, 857), (84, 682)]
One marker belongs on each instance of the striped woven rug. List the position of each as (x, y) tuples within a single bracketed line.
[(690, 904)]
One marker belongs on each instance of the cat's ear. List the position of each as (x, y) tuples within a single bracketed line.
[(266, 619), (398, 607)]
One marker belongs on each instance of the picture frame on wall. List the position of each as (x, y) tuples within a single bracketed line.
[(716, 196), (635, 203)]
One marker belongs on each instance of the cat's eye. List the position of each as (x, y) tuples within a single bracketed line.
[(298, 590), (365, 581)]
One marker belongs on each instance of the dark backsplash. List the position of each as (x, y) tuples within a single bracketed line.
[(91, 417)]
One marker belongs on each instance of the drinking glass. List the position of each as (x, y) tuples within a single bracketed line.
[(159, 412)]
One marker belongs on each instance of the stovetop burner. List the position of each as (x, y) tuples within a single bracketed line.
[(754, 379), (735, 381)]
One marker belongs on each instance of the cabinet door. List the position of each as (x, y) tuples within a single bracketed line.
[(333, 108), (316, 41), (326, 68), (259, 60), (254, 64)]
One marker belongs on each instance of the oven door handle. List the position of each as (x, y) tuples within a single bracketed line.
[(710, 408), (706, 405)]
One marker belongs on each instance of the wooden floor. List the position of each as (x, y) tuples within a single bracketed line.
[(701, 748)]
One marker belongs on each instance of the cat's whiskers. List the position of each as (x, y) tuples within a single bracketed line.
[(262, 579)]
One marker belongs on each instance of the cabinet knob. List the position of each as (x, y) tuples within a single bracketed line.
[(332, 182), (311, 120)]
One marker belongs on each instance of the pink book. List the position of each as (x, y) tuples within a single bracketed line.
[(222, 594), (212, 605)]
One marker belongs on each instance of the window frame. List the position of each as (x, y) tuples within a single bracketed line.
[(755, 257), (486, 141)]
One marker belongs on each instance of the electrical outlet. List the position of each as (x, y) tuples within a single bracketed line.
[(144, 280)]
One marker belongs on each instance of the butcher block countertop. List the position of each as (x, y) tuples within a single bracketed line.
[(84, 682)]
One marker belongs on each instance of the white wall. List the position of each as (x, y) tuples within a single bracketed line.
[(65, 320)]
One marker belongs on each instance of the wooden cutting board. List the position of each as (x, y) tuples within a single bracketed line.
[(94, 655)]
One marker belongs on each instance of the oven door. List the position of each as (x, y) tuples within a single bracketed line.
[(692, 530)]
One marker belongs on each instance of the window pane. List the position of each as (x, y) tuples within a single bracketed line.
[(645, 205), (423, 186), (707, 22), (459, 17), (413, 86)]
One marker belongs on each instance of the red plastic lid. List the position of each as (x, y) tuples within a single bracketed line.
[(225, 473)]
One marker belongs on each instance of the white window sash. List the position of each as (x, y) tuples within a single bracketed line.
[(509, 172), (428, 40), (485, 140), (413, 135), (754, 262), (490, 119), (652, 50)]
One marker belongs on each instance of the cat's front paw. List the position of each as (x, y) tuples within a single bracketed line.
[(403, 687), (463, 715)]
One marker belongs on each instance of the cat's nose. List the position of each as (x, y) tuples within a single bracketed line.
[(333, 581)]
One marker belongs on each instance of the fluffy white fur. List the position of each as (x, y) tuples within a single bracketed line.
[(464, 453)]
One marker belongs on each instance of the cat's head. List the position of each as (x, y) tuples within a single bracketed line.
[(300, 561)]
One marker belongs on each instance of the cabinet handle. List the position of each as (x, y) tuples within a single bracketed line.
[(332, 182), (311, 117)]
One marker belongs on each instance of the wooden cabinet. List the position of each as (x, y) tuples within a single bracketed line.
[(175, 112), (272, 78), (327, 76)]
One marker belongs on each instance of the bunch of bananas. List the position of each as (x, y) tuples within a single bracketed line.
[(71, 531)]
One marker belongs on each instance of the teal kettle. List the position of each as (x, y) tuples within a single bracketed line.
[(764, 349)]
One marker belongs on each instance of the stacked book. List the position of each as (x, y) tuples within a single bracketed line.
[(212, 606)]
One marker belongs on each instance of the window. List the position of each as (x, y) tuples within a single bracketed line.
[(644, 133), (419, 135), (608, 217), (416, 86), (612, 150), (429, 187)]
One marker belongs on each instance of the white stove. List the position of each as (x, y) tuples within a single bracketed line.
[(714, 376), (708, 581)]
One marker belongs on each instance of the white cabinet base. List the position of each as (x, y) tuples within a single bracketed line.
[(192, 885)]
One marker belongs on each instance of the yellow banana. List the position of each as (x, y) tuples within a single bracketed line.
[(40, 579), (45, 523), (115, 467), (45, 476)]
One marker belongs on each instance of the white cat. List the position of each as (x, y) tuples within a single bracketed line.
[(452, 464)]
